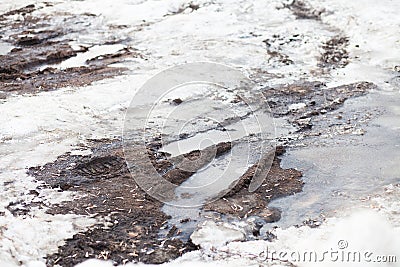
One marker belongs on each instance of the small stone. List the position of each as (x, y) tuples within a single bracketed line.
[(270, 215), (185, 220), (177, 101)]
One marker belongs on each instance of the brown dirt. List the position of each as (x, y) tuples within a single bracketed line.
[(318, 99), (335, 54), (40, 41), (168, 167), (277, 183)]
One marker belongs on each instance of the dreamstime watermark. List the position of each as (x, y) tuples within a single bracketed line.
[(205, 104), (340, 254)]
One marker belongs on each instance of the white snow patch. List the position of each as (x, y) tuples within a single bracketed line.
[(35, 236), (211, 234), (36, 129), (297, 106)]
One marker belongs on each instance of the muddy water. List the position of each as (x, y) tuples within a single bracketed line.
[(206, 116), (207, 183), (345, 173)]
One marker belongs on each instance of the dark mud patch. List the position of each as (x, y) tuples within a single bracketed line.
[(280, 57), (303, 10), (303, 101), (335, 54), (17, 63), (51, 79), (43, 41), (242, 203), (129, 219), (193, 161), (20, 208)]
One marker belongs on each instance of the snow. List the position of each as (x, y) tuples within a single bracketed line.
[(373, 29), (211, 234), (93, 52), (349, 234), (32, 237), (5, 48), (36, 129)]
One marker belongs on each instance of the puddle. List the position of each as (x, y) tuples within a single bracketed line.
[(81, 58), (229, 133), (338, 177)]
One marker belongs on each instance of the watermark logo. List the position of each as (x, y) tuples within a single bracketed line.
[(341, 255), (206, 122), (342, 244)]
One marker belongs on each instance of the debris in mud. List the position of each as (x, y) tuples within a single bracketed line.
[(241, 203), (274, 51), (186, 8), (108, 59), (129, 218), (314, 97), (303, 10), (335, 54), (15, 64), (51, 79), (23, 11), (40, 44)]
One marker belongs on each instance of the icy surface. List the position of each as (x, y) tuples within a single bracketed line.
[(36, 129)]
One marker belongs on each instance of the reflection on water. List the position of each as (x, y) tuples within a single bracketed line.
[(338, 177)]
